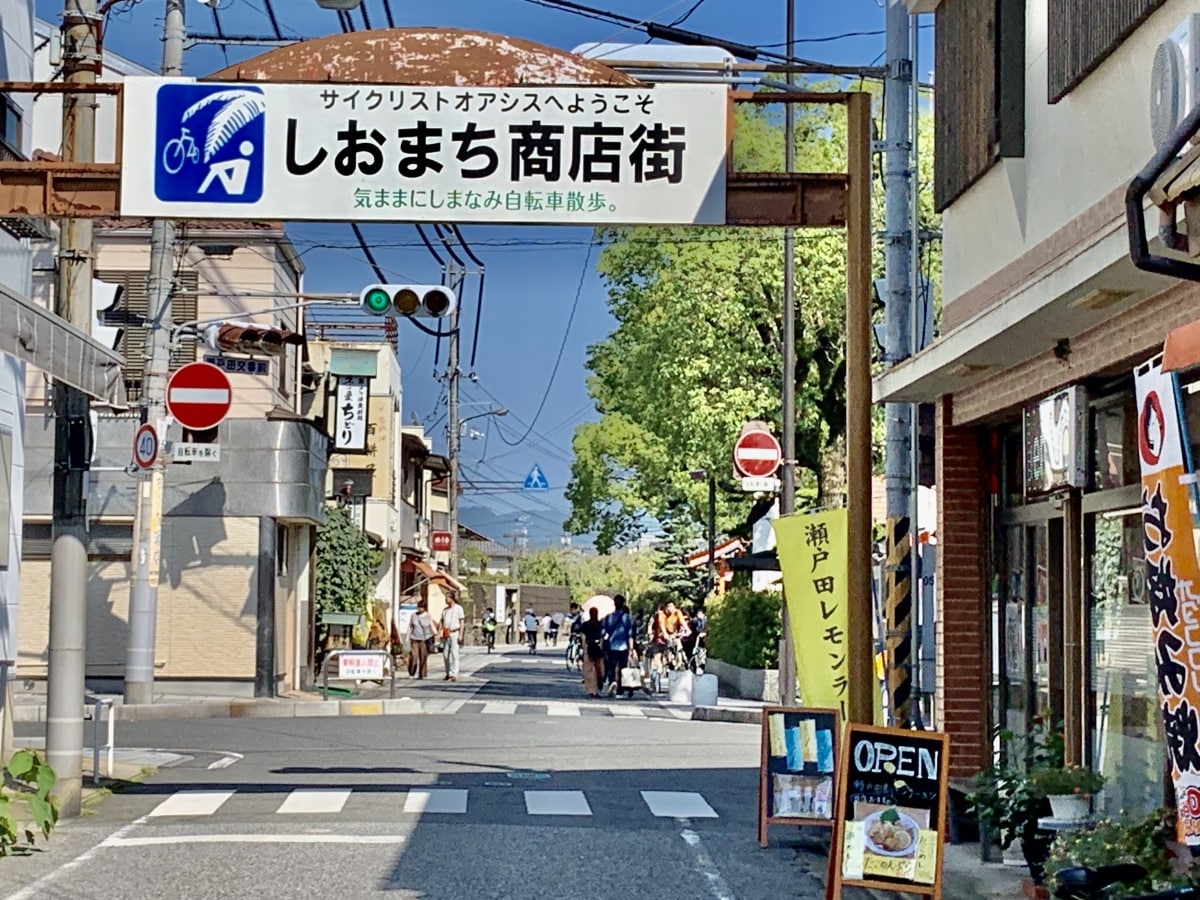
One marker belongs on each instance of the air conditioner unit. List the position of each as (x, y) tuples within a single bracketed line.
[(1175, 79)]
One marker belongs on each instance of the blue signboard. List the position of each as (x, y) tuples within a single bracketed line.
[(235, 366), (209, 143), (536, 480)]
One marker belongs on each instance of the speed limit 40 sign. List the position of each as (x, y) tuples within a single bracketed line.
[(145, 446)]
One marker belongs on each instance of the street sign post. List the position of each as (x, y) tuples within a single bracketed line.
[(199, 396), (536, 480), (145, 446), (757, 454)]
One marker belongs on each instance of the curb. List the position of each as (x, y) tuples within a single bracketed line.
[(717, 714), (241, 709)]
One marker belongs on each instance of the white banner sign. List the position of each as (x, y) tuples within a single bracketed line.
[(363, 666), (351, 421), (336, 152)]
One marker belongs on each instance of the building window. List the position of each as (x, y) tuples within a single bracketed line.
[(1126, 736), (135, 300), (105, 541), (10, 128), (1082, 37), (1112, 433)]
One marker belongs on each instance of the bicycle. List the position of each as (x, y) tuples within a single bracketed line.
[(489, 636), (180, 150), (574, 654), (669, 658), (699, 658)]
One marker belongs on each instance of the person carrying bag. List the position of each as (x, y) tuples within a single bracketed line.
[(420, 638)]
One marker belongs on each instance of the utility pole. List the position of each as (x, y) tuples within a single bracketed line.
[(72, 429), (452, 439), (787, 497), (898, 449), (143, 603)]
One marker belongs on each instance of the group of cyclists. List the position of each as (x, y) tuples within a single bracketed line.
[(665, 641)]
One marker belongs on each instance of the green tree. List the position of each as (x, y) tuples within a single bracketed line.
[(346, 566), (697, 352), (543, 567), (671, 572)]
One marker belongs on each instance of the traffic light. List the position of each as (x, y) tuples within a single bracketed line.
[(427, 301), (243, 337)]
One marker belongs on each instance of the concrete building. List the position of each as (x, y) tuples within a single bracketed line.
[(1042, 122), (235, 578)]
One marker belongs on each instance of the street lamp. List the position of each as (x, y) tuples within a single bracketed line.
[(702, 475), (344, 5), (500, 411)]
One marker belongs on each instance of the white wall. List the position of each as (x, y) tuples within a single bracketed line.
[(16, 22), (1077, 152)]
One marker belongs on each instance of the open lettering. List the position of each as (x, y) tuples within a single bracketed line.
[(882, 757)]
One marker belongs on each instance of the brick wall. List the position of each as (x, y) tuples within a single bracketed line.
[(206, 605), (962, 621), (1117, 345)]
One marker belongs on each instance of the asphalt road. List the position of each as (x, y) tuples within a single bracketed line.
[(502, 798)]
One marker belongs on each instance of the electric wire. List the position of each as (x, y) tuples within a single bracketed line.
[(274, 21), (387, 11), (561, 349)]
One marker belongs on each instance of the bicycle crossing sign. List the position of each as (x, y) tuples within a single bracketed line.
[(536, 480), (209, 143)]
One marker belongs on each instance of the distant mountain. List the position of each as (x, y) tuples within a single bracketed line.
[(496, 523)]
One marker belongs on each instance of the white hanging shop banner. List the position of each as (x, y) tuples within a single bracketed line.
[(350, 432), (520, 155)]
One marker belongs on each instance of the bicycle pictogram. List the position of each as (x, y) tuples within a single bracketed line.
[(179, 150)]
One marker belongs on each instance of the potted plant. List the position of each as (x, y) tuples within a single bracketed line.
[(1068, 788), (1006, 799)]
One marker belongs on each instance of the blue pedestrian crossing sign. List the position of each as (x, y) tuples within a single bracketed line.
[(536, 479)]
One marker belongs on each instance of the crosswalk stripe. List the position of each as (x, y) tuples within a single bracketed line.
[(316, 801), (563, 709), (678, 805), (628, 712), (436, 800), (192, 803), (499, 708), (557, 803)]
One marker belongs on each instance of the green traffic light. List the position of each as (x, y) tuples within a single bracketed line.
[(377, 301)]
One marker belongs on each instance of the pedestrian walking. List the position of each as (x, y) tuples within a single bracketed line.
[(618, 640), (547, 622), (593, 653), (508, 628), (420, 636), (531, 628), (452, 623), (521, 628)]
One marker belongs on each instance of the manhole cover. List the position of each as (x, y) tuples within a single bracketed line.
[(529, 776)]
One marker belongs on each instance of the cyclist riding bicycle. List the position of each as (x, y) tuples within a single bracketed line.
[(667, 631), (489, 628)]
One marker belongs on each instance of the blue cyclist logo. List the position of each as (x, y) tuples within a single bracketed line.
[(209, 143)]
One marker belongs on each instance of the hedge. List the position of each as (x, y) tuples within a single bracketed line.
[(744, 628)]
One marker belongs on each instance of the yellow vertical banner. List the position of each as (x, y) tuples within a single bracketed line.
[(812, 555), (1172, 584)]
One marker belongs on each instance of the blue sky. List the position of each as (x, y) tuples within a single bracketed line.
[(534, 275)]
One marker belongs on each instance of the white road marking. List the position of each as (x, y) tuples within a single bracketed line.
[(315, 801), (226, 761), (628, 712), (436, 800), (706, 867), (37, 889), (192, 803), (255, 839), (563, 709), (556, 803), (678, 805), (499, 708)]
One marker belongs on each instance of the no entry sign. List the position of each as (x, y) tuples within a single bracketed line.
[(199, 396), (757, 454)]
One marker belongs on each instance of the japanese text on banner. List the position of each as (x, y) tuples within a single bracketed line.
[(1172, 584), (812, 554)]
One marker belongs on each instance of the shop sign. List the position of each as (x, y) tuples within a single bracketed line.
[(812, 555), (797, 773), (350, 431), (1172, 583), (411, 153), (1054, 442), (891, 810)]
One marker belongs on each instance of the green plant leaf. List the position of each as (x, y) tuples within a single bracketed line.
[(42, 813), (21, 763), (45, 779)]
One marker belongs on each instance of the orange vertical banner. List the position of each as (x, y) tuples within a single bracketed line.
[(1172, 583)]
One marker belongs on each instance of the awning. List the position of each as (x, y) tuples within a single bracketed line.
[(1181, 350), (428, 572)]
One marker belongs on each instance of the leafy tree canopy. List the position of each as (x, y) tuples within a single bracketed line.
[(346, 566)]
